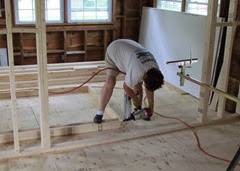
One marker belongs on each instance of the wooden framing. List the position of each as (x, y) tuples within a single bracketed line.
[(46, 131), (59, 75), (65, 46), (208, 59), (3, 31), (56, 51), (22, 48), (12, 77), (124, 25), (220, 92), (129, 135), (224, 75), (114, 4), (42, 74), (238, 105), (59, 130), (85, 44)]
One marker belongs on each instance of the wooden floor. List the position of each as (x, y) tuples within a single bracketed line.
[(63, 109), (172, 151)]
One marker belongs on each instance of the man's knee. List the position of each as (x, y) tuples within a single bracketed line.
[(110, 82)]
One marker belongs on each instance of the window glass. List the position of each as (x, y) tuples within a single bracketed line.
[(173, 5), (90, 10), (25, 11), (54, 11), (198, 6)]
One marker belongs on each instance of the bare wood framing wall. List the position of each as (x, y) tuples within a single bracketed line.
[(78, 42)]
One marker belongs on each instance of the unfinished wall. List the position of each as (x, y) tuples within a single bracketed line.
[(234, 77), (79, 42)]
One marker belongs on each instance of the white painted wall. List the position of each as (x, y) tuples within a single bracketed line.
[(168, 35)]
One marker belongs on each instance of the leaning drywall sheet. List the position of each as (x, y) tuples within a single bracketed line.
[(169, 36)]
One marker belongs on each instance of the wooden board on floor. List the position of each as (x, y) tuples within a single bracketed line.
[(69, 114), (175, 151)]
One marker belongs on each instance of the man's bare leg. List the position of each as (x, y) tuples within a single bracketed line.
[(106, 94)]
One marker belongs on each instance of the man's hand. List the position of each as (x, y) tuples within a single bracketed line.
[(137, 104)]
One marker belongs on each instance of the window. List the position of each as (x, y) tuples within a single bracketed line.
[(25, 11), (192, 6), (89, 10), (173, 5), (197, 6), (54, 11)]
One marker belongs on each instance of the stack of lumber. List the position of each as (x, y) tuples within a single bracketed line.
[(59, 75)]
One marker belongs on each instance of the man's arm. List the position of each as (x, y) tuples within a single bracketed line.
[(150, 97), (130, 92)]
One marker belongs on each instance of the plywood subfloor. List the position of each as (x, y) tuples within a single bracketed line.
[(169, 101), (80, 107), (168, 152), (172, 151), (63, 109)]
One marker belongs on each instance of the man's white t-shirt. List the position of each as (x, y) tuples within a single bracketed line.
[(131, 58)]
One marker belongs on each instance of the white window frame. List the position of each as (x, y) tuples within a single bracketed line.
[(17, 21), (89, 21), (178, 1)]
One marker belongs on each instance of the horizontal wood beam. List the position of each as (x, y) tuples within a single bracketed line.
[(62, 130), (224, 24), (3, 31), (79, 28), (106, 139), (218, 91), (73, 64), (32, 85), (24, 30)]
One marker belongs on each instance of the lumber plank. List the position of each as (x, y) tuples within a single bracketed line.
[(129, 135), (24, 30), (208, 59), (3, 31), (62, 130), (42, 74), (238, 104), (52, 74), (51, 82), (227, 55), (12, 77)]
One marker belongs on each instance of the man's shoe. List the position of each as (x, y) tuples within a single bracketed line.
[(146, 119), (98, 119)]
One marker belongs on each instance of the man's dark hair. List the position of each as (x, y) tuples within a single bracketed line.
[(154, 79)]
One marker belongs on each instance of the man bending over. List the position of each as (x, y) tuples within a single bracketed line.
[(140, 67)]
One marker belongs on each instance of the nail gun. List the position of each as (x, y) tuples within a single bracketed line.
[(137, 113)]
